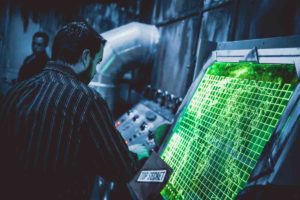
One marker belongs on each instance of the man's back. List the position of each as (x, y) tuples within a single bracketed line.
[(59, 132)]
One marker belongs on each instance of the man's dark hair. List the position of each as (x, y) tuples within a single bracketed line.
[(72, 39), (42, 35)]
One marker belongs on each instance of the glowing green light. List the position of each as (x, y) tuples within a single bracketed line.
[(220, 135)]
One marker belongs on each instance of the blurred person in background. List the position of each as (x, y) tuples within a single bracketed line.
[(34, 63)]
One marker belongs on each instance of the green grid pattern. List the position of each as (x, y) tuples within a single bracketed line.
[(220, 135)]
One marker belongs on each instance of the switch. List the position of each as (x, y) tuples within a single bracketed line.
[(178, 102), (158, 96), (171, 102), (151, 135), (143, 126), (135, 117), (165, 98)]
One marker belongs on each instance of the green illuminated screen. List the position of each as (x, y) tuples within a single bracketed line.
[(221, 133)]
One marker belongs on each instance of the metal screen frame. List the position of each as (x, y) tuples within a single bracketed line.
[(264, 171)]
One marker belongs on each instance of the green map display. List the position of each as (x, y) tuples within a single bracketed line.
[(221, 133)]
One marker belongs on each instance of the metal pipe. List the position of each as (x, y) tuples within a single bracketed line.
[(132, 43)]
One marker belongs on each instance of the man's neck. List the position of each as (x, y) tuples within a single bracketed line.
[(77, 68)]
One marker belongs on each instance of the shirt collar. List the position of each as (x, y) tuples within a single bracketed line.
[(61, 67)]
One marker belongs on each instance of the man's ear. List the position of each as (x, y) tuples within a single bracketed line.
[(86, 57)]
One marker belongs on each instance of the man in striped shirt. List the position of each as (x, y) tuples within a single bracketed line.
[(57, 134)]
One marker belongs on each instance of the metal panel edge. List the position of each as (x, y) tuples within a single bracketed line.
[(187, 98)]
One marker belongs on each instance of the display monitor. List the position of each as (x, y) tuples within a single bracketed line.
[(223, 129)]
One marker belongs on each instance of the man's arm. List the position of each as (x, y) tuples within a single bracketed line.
[(112, 158)]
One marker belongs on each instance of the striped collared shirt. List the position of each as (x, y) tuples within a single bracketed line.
[(52, 124)]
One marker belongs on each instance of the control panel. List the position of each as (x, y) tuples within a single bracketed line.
[(139, 124)]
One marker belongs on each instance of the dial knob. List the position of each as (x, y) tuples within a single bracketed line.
[(151, 116)]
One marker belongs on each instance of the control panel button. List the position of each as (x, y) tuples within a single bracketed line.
[(117, 124), (138, 124), (129, 112)]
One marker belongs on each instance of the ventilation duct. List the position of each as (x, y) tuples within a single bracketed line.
[(132, 43)]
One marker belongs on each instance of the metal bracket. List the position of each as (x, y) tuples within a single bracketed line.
[(252, 56), (297, 66)]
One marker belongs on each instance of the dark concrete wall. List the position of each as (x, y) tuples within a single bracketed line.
[(179, 25), (183, 23)]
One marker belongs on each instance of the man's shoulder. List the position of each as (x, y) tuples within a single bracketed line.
[(91, 96), (71, 83), (29, 58), (88, 91), (45, 56)]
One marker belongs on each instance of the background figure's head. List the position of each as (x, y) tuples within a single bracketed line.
[(80, 46), (39, 42)]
